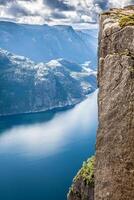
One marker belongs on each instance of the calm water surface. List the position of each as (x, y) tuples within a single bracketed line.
[(41, 153)]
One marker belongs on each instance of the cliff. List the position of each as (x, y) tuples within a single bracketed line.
[(114, 169), (114, 165)]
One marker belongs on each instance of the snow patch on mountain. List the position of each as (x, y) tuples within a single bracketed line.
[(27, 86)]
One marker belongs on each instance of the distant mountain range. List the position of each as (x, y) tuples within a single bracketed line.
[(27, 86), (42, 43)]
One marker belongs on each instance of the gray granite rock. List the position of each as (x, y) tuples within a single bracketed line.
[(114, 168)]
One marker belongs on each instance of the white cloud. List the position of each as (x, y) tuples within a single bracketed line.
[(56, 11), (120, 3)]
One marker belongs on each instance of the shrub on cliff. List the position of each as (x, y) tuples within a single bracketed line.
[(87, 171), (83, 183), (126, 20)]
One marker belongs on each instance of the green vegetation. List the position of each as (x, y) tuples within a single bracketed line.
[(131, 69), (87, 172), (126, 20), (126, 52)]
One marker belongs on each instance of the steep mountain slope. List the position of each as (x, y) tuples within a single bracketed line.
[(114, 160), (44, 43), (26, 86)]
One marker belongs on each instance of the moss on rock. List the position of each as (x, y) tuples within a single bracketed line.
[(87, 171), (126, 20)]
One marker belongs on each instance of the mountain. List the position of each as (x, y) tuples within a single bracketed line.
[(42, 43), (26, 86)]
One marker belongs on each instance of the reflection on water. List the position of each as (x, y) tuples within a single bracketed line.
[(48, 137), (59, 137)]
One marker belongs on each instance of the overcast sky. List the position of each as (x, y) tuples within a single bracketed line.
[(81, 12)]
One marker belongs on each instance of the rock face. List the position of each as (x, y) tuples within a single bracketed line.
[(83, 184), (26, 86), (114, 168)]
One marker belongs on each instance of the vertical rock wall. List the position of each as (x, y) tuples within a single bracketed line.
[(114, 168)]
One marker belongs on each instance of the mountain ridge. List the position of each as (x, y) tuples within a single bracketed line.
[(42, 43), (26, 86)]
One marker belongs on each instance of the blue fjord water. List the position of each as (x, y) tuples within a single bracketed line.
[(41, 153)]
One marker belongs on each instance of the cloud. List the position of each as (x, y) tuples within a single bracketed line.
[(59, 4), (57, 15), (57, 11), (18, 11), (4, 2), (121, 3)]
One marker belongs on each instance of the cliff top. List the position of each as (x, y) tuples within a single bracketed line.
[(125, 10), (119, 17)]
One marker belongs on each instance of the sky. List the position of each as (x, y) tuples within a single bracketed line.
[(68, 12)]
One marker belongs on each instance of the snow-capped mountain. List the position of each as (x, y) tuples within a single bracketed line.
[(26, 86), (42, 43)]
